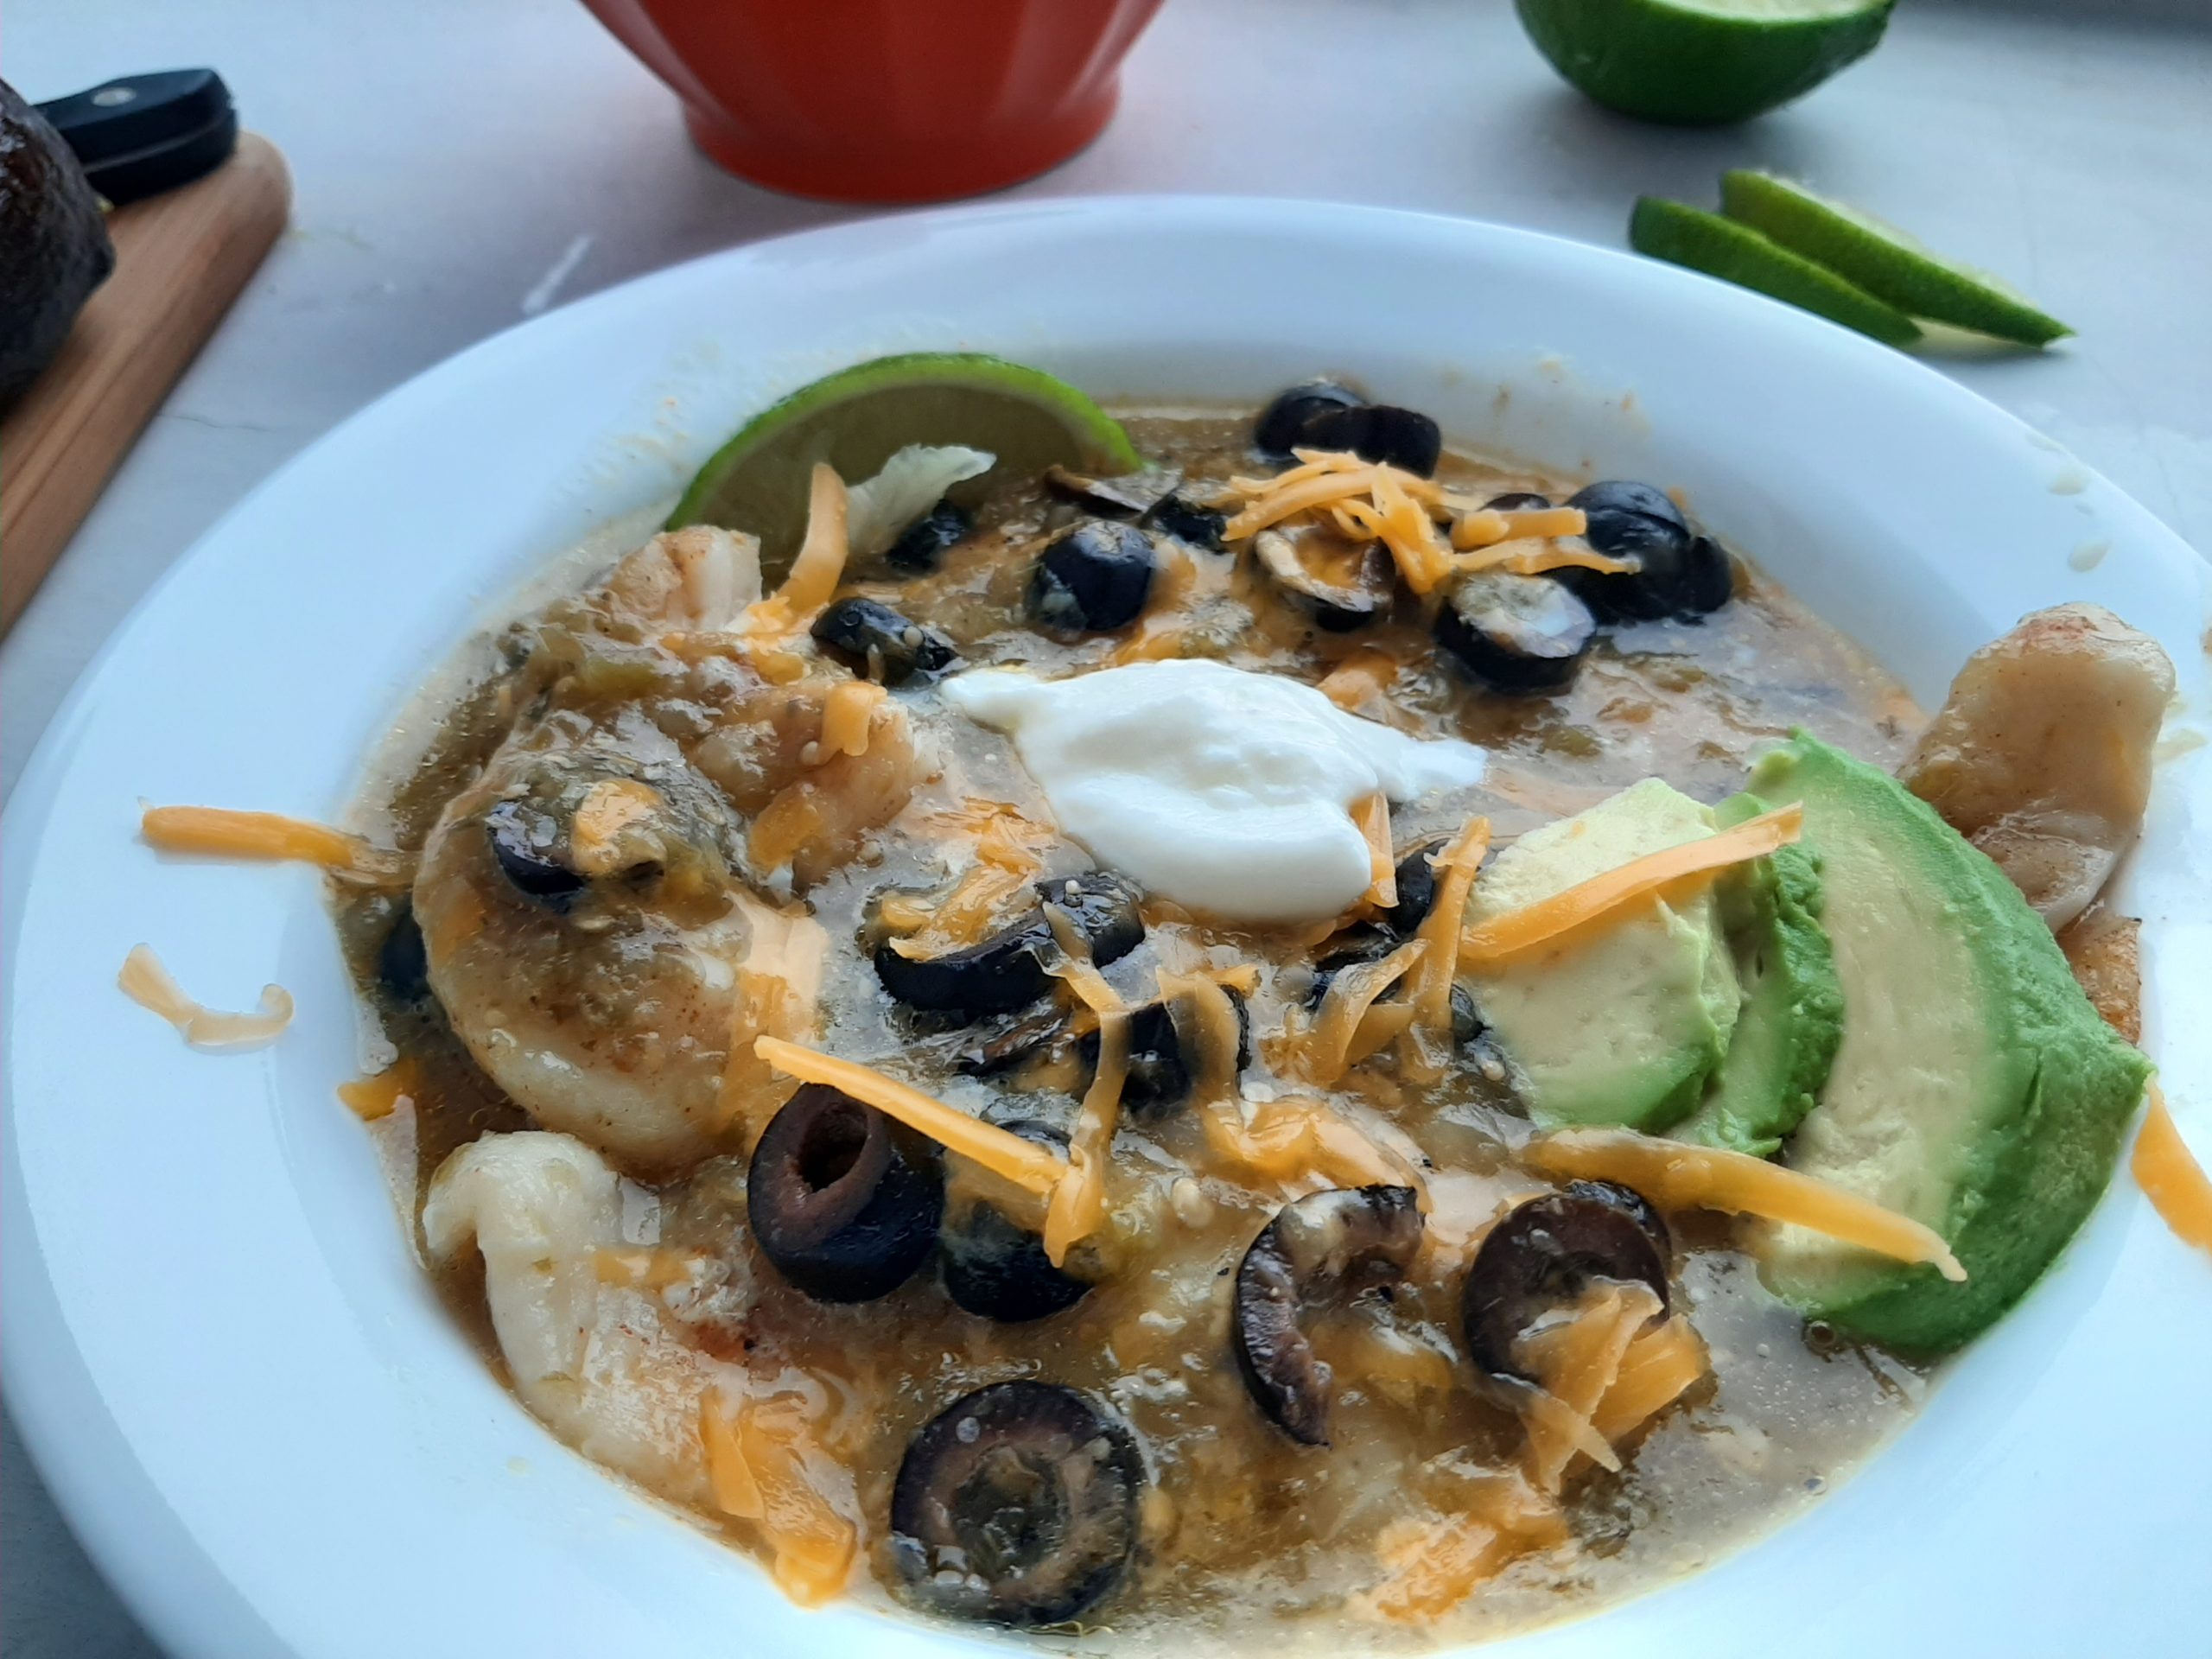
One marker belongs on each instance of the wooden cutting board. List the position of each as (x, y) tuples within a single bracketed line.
[(181, 258)]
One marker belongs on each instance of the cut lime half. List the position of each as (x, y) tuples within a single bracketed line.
[(1701, 62), (858, 418), (1719, 247), (1882, 260)]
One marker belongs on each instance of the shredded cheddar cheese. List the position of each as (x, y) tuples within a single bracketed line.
[(371, 1099), (1455, 867), (1372, 814), (146, 982), (1303, 1142), (1205, 1024), (1432, 1564), (819, 566), (218, 833), (2170, 1177), (757, 1470), (1078, 1205), (1486, 526), (1368, 673), (1577, 1363), (847, 714), (1675, 1175), (788, 823), (1323, 1054), (1023, 1162), (640, 1268), (1611, 894), (1660, 1366), (609, 808)]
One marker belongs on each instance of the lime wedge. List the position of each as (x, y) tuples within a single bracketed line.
[(1719, 247), (858, 418), (1701, 62), (1885, 261)]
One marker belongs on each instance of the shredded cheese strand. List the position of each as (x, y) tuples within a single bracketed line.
[(1675, 1175), (847, 714), (2170, 1177), (1023, 1162), (1367, 672), (1323, 1054), (148, 983), (1654, 875), (371, 1099), (1659, 1368), (1486, 526), (1372, 814), (819, 567), (217, 832), (1455, 867), (1078, 1204)]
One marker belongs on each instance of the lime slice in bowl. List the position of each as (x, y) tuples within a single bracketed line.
[(858, 418), (1701, 62), (1719, 247), (1882, 260)]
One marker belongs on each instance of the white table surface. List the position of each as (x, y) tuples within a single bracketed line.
[(461, 164)]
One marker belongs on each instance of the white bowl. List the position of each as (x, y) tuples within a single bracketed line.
[(224, 1358)]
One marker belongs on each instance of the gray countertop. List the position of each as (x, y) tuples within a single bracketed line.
[(461, 167)]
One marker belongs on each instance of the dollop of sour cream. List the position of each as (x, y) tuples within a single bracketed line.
[(1227, 790)]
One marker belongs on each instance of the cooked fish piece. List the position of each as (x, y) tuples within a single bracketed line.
[(2041, 756), (595, 1361)]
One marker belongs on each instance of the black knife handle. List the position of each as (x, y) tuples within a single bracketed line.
[(147, 133)]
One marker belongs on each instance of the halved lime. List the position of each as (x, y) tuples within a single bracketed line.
[(858, 418), (1884, 260), (1701, 62), (1719, 247)]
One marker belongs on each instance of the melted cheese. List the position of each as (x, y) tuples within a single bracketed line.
[(1372, 814), (1486, 526), (609, 808), (1362, 678), (1577, 1363), (373, 1098), (1675, 1176), (1205, 1027), (1322, 1055), (1020, 1161), (847, 714), (758, 1470), (819, 566), (1078, 1205), (146, 982), (1659, 1367), (1303, 1142), (2170, 1177), (1455, 867), (1610, 895), (218, 833)]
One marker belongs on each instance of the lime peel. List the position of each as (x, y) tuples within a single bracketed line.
[(1704, 242), (1882, 260)]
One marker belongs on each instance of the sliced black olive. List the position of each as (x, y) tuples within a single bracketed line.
[(876, 642), (1007, 1043), (403, 963), (1322, 1243), (1006, 971), (843, 1200), (1518, 501), (1128, 497), (1189, 523), (1542, 1254), (996, 1268), (522, 842), (1340, 604), (1282, 425), (1158, 1077), (1681, 574), (1380, 432), (923, 544), (1514, 633), (1353, 947), (1466, 1019), (1092, 579), (1017, 1504), (1416, 880)]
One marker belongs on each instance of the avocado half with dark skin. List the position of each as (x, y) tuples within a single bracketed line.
[(54, 245)]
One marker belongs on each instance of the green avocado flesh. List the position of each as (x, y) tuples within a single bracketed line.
[(1621, 1025), (1792, 1017), (1974, 1089)]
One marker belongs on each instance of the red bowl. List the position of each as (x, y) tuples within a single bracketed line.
[(886, 100)]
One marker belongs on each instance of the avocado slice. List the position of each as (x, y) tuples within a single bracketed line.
[(1792, 1017), (1624, 1024), (1975, 1089)]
